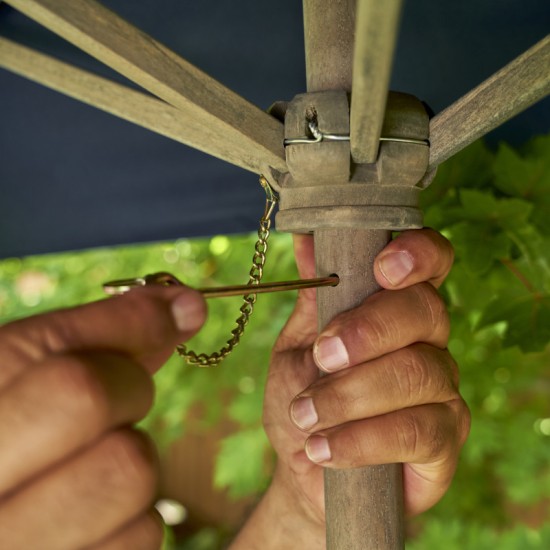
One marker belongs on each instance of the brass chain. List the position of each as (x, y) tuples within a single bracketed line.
[(255, 277)]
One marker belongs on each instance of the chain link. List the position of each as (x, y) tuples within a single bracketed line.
[(255, 277)]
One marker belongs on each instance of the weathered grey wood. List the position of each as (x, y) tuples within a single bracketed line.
[(362, 511), (354, 519), (511, 90), (303, 159), (104, 35), (328, 36), (126, 103), (375, 38)]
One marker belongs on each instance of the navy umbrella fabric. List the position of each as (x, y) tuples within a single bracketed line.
[(73, 177)]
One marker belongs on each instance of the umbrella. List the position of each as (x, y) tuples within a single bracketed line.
[(73, 177), (350, 226)]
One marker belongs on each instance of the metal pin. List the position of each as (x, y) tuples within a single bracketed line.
[(115, 288)]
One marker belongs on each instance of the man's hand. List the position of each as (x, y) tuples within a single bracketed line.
[(73, 472), (390, 393)]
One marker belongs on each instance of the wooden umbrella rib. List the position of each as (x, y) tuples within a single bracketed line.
[(375, 38), (109, 38), (514, 88), (121, 101)]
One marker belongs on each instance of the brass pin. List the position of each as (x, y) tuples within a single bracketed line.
[(115, 288)]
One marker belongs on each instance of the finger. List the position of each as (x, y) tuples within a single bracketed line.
[(292, 367), (416, 375), (385, 322), (84, 500), (140, 323), (427, 438), (143, 533), (301, 328), (62, 405), (421, 255)]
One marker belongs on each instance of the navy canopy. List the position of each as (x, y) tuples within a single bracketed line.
[(73, 177)]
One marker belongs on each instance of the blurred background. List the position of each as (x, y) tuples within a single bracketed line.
[(72, 177), (494, 205)]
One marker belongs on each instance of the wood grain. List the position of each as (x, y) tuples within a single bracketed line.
[(364, 506), (328, 37), (375, 38), (109, 38), (123, 102), (511, 90)]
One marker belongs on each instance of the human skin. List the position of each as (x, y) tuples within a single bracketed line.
[(390, 394), (74, 473)]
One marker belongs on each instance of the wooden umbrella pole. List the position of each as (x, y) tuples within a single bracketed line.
[(363, 505), (351, 214), (351, 223)]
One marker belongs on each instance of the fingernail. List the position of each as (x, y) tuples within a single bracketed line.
[(189, 311), (317, 449), (303, 413), (396, 266), (330, 353)]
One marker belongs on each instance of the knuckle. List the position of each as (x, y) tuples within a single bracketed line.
[(143, 311), (408, 436), (54, 334), (450, 253), (351, 441), (410, 372), (453, 369), (433, 307), (437, 443), (422, 441), (424, 373), (374, 327), (332, 395), (78, 391), (463, 419)]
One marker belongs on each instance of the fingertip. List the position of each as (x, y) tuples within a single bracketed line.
[(188, 311), (317, 449), (394, 268), (305, 257), (412, 257), (330, 353)]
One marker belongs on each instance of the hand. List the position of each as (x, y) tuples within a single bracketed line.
[(390, 395), (73, 472)]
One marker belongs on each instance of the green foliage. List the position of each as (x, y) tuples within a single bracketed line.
[(495, 209), (457, 535), (240, 464)]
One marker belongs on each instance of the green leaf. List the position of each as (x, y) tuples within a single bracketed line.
[(478, 246), (534, 263), (246, 408), (527, 316), (483, 206), (241, 463), (527, 177)]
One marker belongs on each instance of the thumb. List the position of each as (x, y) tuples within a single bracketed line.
[(301, 328), (139, 324)]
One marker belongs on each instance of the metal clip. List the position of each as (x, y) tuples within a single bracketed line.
[(319, 136), (121, 286), (272, 198)]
